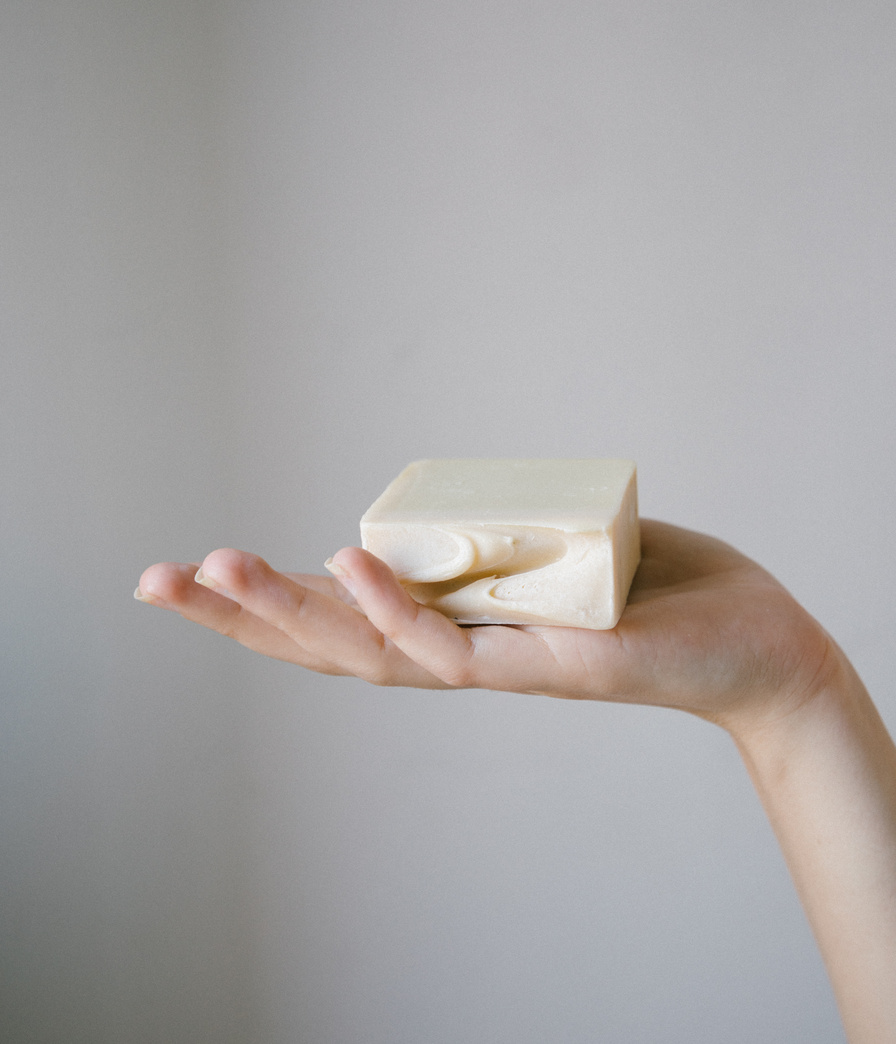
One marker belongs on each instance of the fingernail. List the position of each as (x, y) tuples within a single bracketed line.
[(201, 578), (148, 598), (341, 575), (334, 567)]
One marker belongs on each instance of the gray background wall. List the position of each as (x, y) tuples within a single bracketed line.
[(255, 258)]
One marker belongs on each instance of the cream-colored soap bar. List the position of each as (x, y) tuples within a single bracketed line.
[(512, 541)]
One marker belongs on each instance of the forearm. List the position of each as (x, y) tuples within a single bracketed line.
[(826, 775)]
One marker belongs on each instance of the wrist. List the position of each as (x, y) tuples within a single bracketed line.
[(797, 676)]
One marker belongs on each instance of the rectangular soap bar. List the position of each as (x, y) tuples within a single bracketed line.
[(512, 541)]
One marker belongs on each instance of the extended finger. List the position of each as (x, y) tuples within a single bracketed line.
[(323, 627), (171, 585)]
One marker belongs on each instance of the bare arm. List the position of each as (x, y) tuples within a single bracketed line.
[(826, 775), (706, 630)]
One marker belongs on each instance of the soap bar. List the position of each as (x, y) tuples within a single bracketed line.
[(512, 541)]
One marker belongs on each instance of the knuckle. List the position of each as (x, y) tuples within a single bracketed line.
[(458, 676), (379, 670), (463, 671), (378, 676), (296, 598), (229, 627)]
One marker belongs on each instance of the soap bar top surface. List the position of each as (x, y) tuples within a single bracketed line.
[(570, 495)]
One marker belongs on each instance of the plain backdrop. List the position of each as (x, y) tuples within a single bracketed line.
[(254, 258)]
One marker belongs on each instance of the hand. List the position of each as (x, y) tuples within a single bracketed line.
[(705, 629)]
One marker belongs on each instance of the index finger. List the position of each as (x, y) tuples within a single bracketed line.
[(494, 656)]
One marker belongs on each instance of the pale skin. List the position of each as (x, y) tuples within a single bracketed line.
[(705, 630)]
